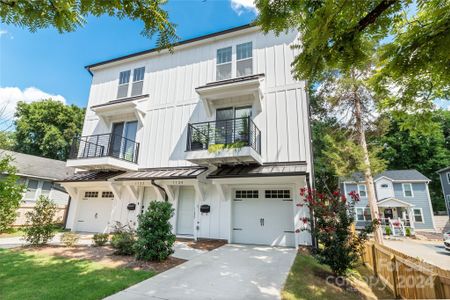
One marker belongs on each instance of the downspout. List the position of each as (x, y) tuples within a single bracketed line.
[(166, 198), (66, 213), (313, 239)]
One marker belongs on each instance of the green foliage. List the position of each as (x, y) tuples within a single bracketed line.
[(6, 140), (388, 230), (408, 231), (215, 148), (123, 239), (69, 238), (154, 233), (339, 247), (100, 239), (67, 16), (40, 222), (10, 193), (46, 128)]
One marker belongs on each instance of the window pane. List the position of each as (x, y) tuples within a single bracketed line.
[(244, 67), (359, 214), (136, 88), (124, 77), (244, 51), (224, 55), (138, 74), (122, 92), (362, 190), (408, 190), (367, 215), (418, 215), (223, 72), (46, 187), (31, 189)]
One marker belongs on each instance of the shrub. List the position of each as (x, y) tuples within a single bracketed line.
[(69, 238), (408, 231), (100, 239), (154, 233), (388, 230), (339, 247), (10, 193), (40, 228), (123, 240)]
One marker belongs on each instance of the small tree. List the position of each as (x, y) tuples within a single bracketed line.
[(154, 233), (10, 193), (339, 247), (40, 228)]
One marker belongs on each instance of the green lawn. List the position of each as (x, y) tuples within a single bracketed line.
[(30, 276)]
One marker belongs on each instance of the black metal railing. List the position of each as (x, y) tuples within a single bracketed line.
[(231, 133), (103, 145)]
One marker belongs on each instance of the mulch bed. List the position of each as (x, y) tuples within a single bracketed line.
[(203, 244), (104, 255)]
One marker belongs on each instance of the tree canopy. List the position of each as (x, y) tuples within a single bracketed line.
[(47, 128), (67, 16)]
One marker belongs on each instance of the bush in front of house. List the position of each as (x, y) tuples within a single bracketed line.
[(39, 225), (123, 239), (338, 246), (100, 239), (69, 238), (388, 230), (154, 233), (408, 231)]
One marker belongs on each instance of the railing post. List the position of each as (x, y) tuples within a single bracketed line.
[(394, 276), (248, 130), (374, 260)]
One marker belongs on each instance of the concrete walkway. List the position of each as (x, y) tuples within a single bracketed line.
[(229, 272)]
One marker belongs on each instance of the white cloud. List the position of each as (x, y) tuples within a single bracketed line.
[(3, 32), (9, 96), (240, 6)]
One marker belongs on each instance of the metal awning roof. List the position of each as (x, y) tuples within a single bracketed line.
[(92, 176), (265, 170), (163, 173)]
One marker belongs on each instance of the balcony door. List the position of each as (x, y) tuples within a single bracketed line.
[(123, 140), (231, 125)]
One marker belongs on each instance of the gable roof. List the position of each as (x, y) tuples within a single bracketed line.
[(394, 175), (38, 167), (443, 170)]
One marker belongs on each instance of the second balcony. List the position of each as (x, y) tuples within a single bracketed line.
[(231, 141)]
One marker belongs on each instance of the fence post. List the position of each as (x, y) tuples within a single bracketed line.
[(394, 276), (374, 260), (438, 290)]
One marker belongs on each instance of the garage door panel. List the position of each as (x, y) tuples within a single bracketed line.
[(94, 214)]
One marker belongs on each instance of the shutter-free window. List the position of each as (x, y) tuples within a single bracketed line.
[(91, 194), (223, 67), (362, 190), (107, 194), (31, 189), (247, 194), (138, 81), (360, 214), (244, 59), (407, 190), (124, 80), (418, 217), (46, 188)]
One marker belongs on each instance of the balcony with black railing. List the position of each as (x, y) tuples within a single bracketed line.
[(104, 151), (235, 140)]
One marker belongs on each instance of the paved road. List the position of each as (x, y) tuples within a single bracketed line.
[(430, 251), (229, 272)]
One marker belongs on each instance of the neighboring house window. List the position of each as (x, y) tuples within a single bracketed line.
[(223, 68), (363, 214), (138, 81), (32, 187), (448, 177), (124, 80), (407, 190), (244, 59), (418, 215), (362, 190), (46, 188), (384, 185)]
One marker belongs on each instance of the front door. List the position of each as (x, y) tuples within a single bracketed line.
[(388, 213), (185, 211)]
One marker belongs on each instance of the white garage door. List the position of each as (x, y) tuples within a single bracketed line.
[(94, 211), (263, 217)]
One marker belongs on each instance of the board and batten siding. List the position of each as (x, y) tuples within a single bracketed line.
[(171, 79)]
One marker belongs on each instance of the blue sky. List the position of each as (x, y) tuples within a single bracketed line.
[(54, 63)]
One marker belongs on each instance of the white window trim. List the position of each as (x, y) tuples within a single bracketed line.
[(131, 81), (448, 177), (359, 190), (364, 216), (234, 60), (421, 214), (403, 188)]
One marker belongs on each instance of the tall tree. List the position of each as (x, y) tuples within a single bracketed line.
[(46, 128), (67, 16)]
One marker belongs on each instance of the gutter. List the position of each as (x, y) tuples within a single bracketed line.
[(166, 198)]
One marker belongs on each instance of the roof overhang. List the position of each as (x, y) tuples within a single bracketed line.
[(131, 105), (393, 202), (248, 85), (175, 173)]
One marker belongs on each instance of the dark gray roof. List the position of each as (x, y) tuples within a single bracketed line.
[(163, 173), (443, 170), (396, 175), (265, 170), (92, 176), (232, 80), (39, 167), (121, 100)]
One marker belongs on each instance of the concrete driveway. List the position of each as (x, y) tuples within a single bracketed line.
[(229, 272)]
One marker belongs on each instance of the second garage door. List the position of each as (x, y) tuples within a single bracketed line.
[(263, 217), (94, 212)]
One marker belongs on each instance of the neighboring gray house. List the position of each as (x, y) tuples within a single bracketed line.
[(39, 174), (403, 200), (444, 175)]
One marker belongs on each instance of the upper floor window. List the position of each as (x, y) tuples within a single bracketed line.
[(362, 190), (384, 186), (124, 83), (244, 59), (407, 190), (223, 68), (448, 177)]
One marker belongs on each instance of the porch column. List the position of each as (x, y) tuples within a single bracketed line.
[(411, 218)]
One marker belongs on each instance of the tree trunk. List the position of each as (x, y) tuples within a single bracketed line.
[(367, 170)]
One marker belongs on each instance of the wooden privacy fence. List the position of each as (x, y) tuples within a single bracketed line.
[(407, 277)]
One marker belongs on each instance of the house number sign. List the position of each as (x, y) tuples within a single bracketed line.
[(177, 182)]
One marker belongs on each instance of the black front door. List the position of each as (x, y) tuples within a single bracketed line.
[(388, 214)]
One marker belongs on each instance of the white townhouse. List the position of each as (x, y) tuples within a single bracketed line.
[(219, 128)]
